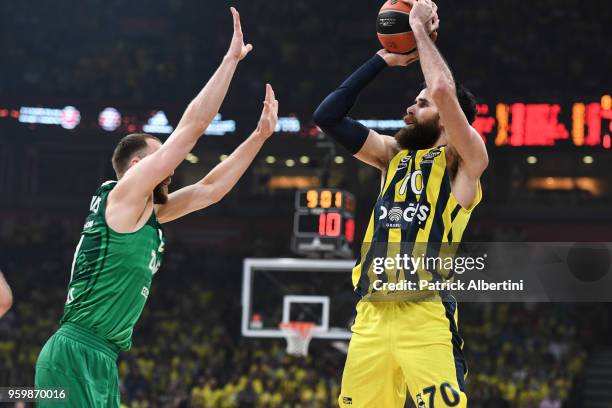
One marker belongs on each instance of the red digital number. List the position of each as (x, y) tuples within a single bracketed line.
[(322, 224), (334, 224), (349, 229), (329, 225)]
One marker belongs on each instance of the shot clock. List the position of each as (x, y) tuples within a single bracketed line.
[(324, 222)]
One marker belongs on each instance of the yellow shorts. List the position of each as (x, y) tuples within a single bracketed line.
[(404, 347)]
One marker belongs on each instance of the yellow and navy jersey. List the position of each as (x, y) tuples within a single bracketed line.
[(416, 214)]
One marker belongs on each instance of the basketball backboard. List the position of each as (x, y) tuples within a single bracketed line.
[(278, 290)]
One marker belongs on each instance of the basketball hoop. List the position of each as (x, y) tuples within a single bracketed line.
[(298, 336)]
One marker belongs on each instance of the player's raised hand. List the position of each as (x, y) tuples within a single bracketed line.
[(269, 115), (424, 14), (398, 60), (237, 48)]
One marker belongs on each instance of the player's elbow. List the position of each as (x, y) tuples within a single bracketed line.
[(482, 164), (478, 165), (319, 117), (483, 157), (442, 91), (6, 302), (210, 193), (215, 198), (485, 161), (323, 116)]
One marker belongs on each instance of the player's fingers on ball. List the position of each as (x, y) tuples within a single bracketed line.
[(436, 24)]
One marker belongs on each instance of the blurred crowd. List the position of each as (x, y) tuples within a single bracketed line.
[(188, 351), (523, 354), (165, 50)]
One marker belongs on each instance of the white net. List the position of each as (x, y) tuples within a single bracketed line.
[(298, 336)]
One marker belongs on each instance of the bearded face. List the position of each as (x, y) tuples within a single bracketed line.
[(419, 135), (160, 194)]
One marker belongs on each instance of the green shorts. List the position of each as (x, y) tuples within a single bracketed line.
[(83, 364)]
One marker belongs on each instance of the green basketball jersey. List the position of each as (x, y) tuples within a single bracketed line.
[(111, 274)]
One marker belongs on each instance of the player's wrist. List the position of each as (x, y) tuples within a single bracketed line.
[(384, 55), (418, 28), (379, 60), (231, 58), (390, 60), (260, 136)]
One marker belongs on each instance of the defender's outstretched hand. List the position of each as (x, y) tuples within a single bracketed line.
[(398, 60), (237, 48), (269, 115)]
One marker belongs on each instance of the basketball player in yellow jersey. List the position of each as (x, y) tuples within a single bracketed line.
[(430, 172)]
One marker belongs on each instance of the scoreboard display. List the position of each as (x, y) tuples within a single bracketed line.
[(324, 222), (521, 123)]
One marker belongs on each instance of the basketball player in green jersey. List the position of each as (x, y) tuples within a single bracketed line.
[(6, 296), (431, 174), (122, 243)]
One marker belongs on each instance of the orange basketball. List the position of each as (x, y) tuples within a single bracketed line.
[(393, 27)]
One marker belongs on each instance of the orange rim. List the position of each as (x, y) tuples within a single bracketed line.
[(304, 328)]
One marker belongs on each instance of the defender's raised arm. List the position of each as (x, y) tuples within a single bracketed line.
[(216, 184), (138, 183)]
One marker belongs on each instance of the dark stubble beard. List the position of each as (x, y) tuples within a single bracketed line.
[(418, 136), (160, 194)]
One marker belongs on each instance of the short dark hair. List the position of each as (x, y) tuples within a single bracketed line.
[(127, 148), (467, 100)]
